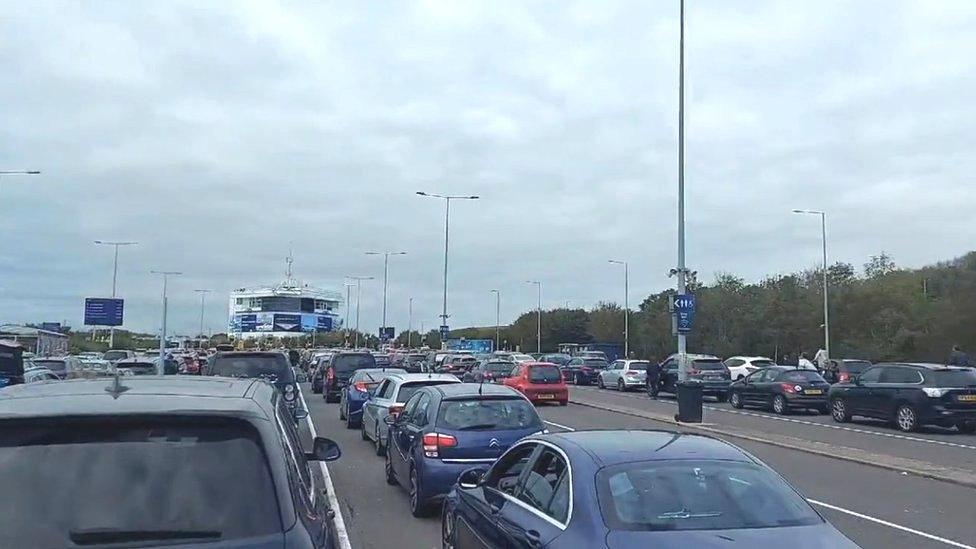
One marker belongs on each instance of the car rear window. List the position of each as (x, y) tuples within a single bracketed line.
[(488, 414), (345, 364), (708, 365), (854, 366), (70, 483), (953, 378), (499, 367), (762, 363), (408, 389), (53, 365), (801, 376), (274, 367), (698, 495), (544, 374), (595, 363), (115, 355)]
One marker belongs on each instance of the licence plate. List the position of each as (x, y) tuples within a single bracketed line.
[(813, 392), (966, 398), (546, 397)]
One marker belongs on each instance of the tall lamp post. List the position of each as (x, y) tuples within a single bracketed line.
[(410, 324), (447, 224), (162, 334), (498, 308), (203, 301), (348, 306), (115, 273), (359, 292), (626, 305), (386, 272), (538, 324), (823, 232)]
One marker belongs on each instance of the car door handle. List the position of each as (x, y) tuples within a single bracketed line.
[(533, 537)]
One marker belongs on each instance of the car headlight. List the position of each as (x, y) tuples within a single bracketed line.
[(290, 393)]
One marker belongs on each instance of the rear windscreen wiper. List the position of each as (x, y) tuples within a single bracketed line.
[(477, 427), (100, 536)]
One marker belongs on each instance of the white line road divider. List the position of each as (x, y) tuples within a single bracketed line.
[(861, 516), (342, 535)]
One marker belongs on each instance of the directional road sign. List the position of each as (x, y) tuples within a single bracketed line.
[(684, 312)]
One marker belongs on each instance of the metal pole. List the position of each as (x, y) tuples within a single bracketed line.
[(359, 288), (823, 227), (386, 272), (538, 325), (115, 273), (162, 333), (498, 308), (447, 225), (410, 324), (626, 310), (348, 286), (682, 269), (203, 298)]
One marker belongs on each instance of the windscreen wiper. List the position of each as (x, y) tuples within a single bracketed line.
[(478, 426), (101, 536)]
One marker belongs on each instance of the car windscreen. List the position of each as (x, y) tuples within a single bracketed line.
[(69, 483), (544, 374), (346, 364), (801, 376), (595, 363), (698, 495), (855, 366), (488, 414), (273, 367), (413, 359), (408, 389), (499, 367), (953, 378), (708, 365), (115, 355)]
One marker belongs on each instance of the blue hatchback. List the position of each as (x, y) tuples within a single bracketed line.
[(445, 429), (619, 489), (358, 391)]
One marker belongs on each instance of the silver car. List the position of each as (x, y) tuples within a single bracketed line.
[(394, 391), (624, 375)]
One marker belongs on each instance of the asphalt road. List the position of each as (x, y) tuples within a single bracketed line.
[(872, 506)]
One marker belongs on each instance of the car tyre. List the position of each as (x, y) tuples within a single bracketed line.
[(342, 414), (968, 427), (735, 400), (599, 382), (780, 406), (838, 410), (906, 418), (362, 430), (620, 386), (577, 380), (380, 450), (418, 507), (448, 534), (390, 475)]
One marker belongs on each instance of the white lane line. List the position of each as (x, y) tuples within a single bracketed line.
[(342, 535), (861, 516), (813, 423), (892, 525)]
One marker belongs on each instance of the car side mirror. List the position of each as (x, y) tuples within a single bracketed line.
[(299, 413), (323, 449), (472, 478)]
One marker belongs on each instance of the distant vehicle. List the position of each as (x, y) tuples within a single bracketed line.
[(358, 391), (623, 375), (536, 356), (489, 371), (95, 367), (522, 357), (457, 364), (593, 354), (781, 389), (66, 367), (382, 360), (222, 454), (539, 382), (558, 359), (623, 489), (414, 362), (271, 366), (435, 359), (11, 364), (318, 372), (137, 366), (35, 374), (741, 366), (708, 369), (115, 355), (582, 371), (841, 370), (391, 394), (446, 429), (909, 395), (342, 366)]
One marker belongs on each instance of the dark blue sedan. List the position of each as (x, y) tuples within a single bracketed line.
[(444, 429), (619, 489)]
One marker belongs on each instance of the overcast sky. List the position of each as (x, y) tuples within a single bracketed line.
[(213, 133)]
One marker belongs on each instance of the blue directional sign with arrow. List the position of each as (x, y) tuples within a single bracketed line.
[(684, 312)]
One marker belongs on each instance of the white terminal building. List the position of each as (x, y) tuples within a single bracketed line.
[(288, 309)]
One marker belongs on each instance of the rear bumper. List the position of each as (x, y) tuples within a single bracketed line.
[(716, 387), (542, 395), (635, 381), (810, 401), (941, 414)]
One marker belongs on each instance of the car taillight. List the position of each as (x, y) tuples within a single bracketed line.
[(693, 372), (361, 387), (790, 388), (843, 376), (433, 442), (630, 373), (330, 374), (489, 375)]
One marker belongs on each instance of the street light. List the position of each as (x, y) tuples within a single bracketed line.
[(359, 286), (203, 299), (115, 272), (538, 325), (823, 229), (626, 305), (162, 334), (410, 324), (386, 271), (447, 223), (498, 306)]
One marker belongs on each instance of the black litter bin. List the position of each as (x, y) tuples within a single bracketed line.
[(689, 401)]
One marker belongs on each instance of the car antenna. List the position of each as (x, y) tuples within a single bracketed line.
[(482, 384), (116, 388)]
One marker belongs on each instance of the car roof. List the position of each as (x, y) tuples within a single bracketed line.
[(170, 395), (405, 378), (249, 353), (460, 390), (388, 371), (612, 447), (750, 358), (924, 365), (692, 356), (137, 359)]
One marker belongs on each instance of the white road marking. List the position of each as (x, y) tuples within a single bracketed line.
[(340, 525), (812, 423), (861, 516), (892, 525)]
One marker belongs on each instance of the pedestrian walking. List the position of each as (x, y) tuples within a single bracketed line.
[(653, 379), (958, 357), (804, 363)]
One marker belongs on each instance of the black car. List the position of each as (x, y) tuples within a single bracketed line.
[(781, 389), (194, 461), (11, 364), (489, 371), (844, 369), (909, 396), (318, 372), (414, 363), (583, 370), (340, 369), (273, 367), (709, 370)]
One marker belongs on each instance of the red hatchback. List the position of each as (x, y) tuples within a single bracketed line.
[(539, 382)]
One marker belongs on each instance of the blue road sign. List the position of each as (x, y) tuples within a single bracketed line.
[(103, 311), (684, 312), (444, 331), (387, 334)]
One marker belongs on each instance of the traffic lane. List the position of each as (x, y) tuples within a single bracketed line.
[(952, 450), (937, 508), (376, 514)]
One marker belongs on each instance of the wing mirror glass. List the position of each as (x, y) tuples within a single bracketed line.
[(472, 478), (324, 449)]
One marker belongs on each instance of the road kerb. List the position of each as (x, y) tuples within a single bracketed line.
[(919, 468)]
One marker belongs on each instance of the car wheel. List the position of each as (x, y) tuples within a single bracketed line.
[(906, 419), (418, 507), (620, 386), (350, 424), (838, 410), (342, 414), (780, 406), (390, 475), (447, 530), (566, 402), (721, 397), (362, 430), (967, 427), (577, 380), (379, 442), (599, 382), (735, 400)]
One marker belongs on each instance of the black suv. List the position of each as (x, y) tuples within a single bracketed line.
[(342, 367), (273, 367), (708, 369), (194, 461), (909, 395)]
